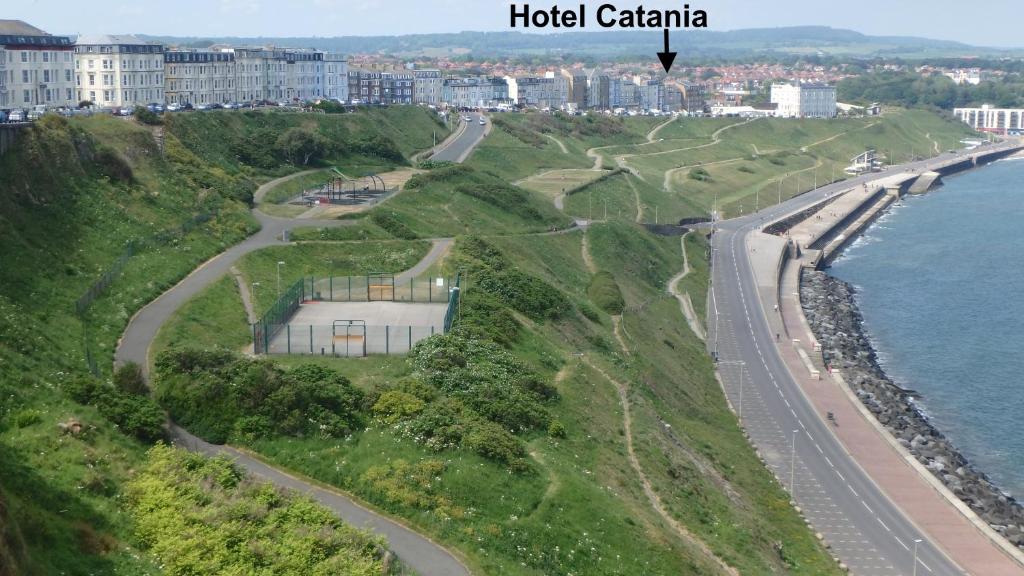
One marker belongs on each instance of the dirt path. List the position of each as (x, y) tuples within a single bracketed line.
[(598, 160), (559, 142), (587, 259), (685, 303), (652, 496), (639, 204), (654, 132)]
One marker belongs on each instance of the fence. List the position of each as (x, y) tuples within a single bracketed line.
[(273, 334), (453, 303), (347, 340), (267, 327), (107, 278), (377, 287)]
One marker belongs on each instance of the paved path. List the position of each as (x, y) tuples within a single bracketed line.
[(415, 550), (459, 148), (849, 487), (685, 304)]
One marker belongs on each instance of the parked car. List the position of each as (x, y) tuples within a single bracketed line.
[(3, 116), (34, 115), (124, 111), (203, 107), (16, 115), (173, 107), (483, 122)]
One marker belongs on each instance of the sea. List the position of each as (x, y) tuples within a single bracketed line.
[(939, 281)]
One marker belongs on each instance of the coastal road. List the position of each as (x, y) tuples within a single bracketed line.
[(866, 530), (467, 137), (416, 551)]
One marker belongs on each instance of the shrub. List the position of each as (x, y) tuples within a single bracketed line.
[(203, 516), (392, 225), (27, 417), (147, 116), (135, 415), (746, 169), (300, 146), (605, 293), (589, 312), (128, 378), (219, 394), (494, 442), (395, 405), (556, 429), (700, 175)]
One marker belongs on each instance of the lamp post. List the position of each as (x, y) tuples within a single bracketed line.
[(780, 188), (279, 264), (916, 542), (253, 290), (792, 466)]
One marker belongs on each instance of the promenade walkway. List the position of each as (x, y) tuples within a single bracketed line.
[(948, 523)]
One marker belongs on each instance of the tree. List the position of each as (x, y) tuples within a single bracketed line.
[(301, 145)]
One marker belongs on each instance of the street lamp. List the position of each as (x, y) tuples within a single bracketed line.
[(253, 290), (916, 542), (792, 466), (279, 264)]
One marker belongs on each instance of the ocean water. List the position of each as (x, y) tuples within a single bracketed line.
[(940, 283)]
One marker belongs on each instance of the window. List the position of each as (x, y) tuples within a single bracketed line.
[(24, 58), (92, 64), (46, 74), (69, 95), (92, 79), (67, 75), (26, 95), (92, 96)]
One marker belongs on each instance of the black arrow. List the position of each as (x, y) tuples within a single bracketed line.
[(666, 57)]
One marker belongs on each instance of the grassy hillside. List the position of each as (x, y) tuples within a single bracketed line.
[(73, 196), (537, 296), (691, 161)]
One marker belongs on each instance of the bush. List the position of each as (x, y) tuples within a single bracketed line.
[(27, 417), (137, 416), (700, 175), (746, 169), (494, 442), (390, 223), (219, 395), (605, 293), (589, 312), (147, 116), (494, 275), (128, 378), (556, 429), (203, 516), (395, 405)]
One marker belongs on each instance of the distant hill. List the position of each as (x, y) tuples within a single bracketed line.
[(691, 43)]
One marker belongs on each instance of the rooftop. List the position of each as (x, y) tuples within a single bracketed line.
[(109, 39), (19, 28)]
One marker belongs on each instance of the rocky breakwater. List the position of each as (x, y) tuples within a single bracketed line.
[(832, 313)]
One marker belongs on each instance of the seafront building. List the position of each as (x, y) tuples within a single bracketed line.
[(428, 87), (335, 82), (476, 92), (36, 68), (199, 77), (381, 87), (1006, 121), (118, 70), (804, 100)]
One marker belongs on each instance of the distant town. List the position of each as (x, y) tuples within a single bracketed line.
[(40, 72)]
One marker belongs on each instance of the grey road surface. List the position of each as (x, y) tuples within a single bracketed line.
[(866, 530), (458, 149)]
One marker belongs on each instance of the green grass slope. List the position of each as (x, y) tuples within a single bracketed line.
[(73, 196)]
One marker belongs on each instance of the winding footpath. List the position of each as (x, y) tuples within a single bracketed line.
[(415, 550), (685, 303)]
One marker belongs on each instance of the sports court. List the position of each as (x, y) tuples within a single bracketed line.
[(355, 316), (344, 328)]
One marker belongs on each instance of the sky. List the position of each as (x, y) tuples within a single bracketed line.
[(982, 22)]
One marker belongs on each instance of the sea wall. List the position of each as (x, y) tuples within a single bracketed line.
[(831, 310)]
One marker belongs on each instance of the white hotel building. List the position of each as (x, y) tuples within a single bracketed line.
[(36, 68), (804, 100), (988, 119), (199, 77), (112, 70)]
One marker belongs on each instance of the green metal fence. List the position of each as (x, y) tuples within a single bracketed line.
[(264, 330), (453, 303)]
